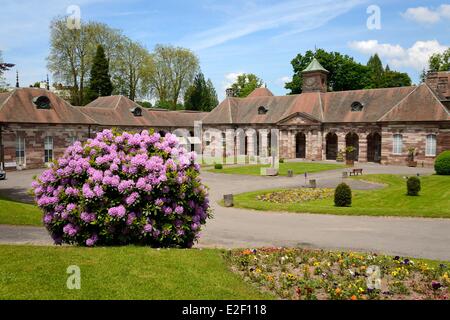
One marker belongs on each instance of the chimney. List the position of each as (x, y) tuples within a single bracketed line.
[(439, 82), (229, 93)]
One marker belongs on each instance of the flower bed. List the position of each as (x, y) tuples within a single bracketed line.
[(317, 274), (123, 188), (296, 195)]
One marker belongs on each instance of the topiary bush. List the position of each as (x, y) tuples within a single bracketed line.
[(413, 186), (123, 188), (218, 166), (442, 163), (281, 160), (343, 195)]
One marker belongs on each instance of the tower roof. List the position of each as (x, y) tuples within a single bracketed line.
[(315, 66)]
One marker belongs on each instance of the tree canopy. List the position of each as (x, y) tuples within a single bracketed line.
[(440, 61), (245, 84), (201, 95), (346, 73)]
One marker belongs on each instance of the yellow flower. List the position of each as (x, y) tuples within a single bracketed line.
[(361, 289)]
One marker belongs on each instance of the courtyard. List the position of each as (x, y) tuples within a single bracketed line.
[(242, 228)]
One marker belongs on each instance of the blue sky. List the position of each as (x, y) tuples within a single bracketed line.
[(235, 36)]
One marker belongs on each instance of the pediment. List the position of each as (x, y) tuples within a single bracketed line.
[(299, 118)]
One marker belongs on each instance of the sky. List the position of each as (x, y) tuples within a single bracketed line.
[(240, 36)]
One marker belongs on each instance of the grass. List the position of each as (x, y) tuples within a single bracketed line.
[(18, 213), (432, 202), (296, 167), (31, 272)]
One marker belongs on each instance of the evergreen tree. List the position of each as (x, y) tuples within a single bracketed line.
[(100, 83), (376, 71), (201, 95)]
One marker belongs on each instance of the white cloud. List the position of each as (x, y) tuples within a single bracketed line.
[(372, 46), (230, 78), (283, 80), (293, 16), (415, 57), (427, 15)]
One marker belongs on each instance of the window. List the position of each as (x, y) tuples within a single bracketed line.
[(431, 145), (398, 144), (42, 102), (137, 112), (72, 140), (262, 110), (48, 149), (357, 106), (20, 151)]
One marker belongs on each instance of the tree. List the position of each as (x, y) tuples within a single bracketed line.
[(376, 71), (3, 67), (201, 95), (345, 73), (173, 73), (134, 66), (100, 82), (392, 79), (145, 104), (245, 84), (440, 61), (70, 56)]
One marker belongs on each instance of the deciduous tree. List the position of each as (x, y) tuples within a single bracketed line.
[(245, 84)]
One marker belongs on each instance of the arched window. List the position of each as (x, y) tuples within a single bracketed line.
[(397, 146), (357, 106), (137, 112), (42, 102), (430, 149), (262, 110)]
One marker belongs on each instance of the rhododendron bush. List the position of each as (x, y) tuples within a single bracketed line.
[(123, 188)]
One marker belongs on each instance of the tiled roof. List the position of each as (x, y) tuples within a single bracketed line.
[(17, 106), (116, 110), (390, 104), (260, 92)]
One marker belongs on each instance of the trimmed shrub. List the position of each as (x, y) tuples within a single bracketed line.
[(343, 195), (413, 186), (281, 160), (218, 166), (442, 163), (123, 188)]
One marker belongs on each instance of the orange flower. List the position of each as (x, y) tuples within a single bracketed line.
[(354, 297), (338, 291), (247, 252)]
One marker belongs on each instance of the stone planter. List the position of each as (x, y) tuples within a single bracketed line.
[(290, 173), (412, 163), (313, 183), (269, 172), (228, 200)]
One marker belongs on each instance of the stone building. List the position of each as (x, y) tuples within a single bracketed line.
[(382, 125)]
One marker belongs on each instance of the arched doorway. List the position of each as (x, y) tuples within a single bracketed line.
[(300, 145), (374, 147), (269, 144), (352, 140), (331, 146)]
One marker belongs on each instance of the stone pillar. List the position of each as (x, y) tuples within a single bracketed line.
[(309, 146), (264, 142), (289, 145), (363, 147), (320, 146), (341, 141)]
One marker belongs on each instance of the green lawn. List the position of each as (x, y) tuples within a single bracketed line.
[(297, 167), (18, 213), (433, 201), (32, 272)]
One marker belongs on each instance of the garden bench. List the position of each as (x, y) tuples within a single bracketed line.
[(356, 172)]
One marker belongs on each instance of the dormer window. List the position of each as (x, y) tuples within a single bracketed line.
[(42, 102), (262, 110), (137, 112), (357, 106)]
